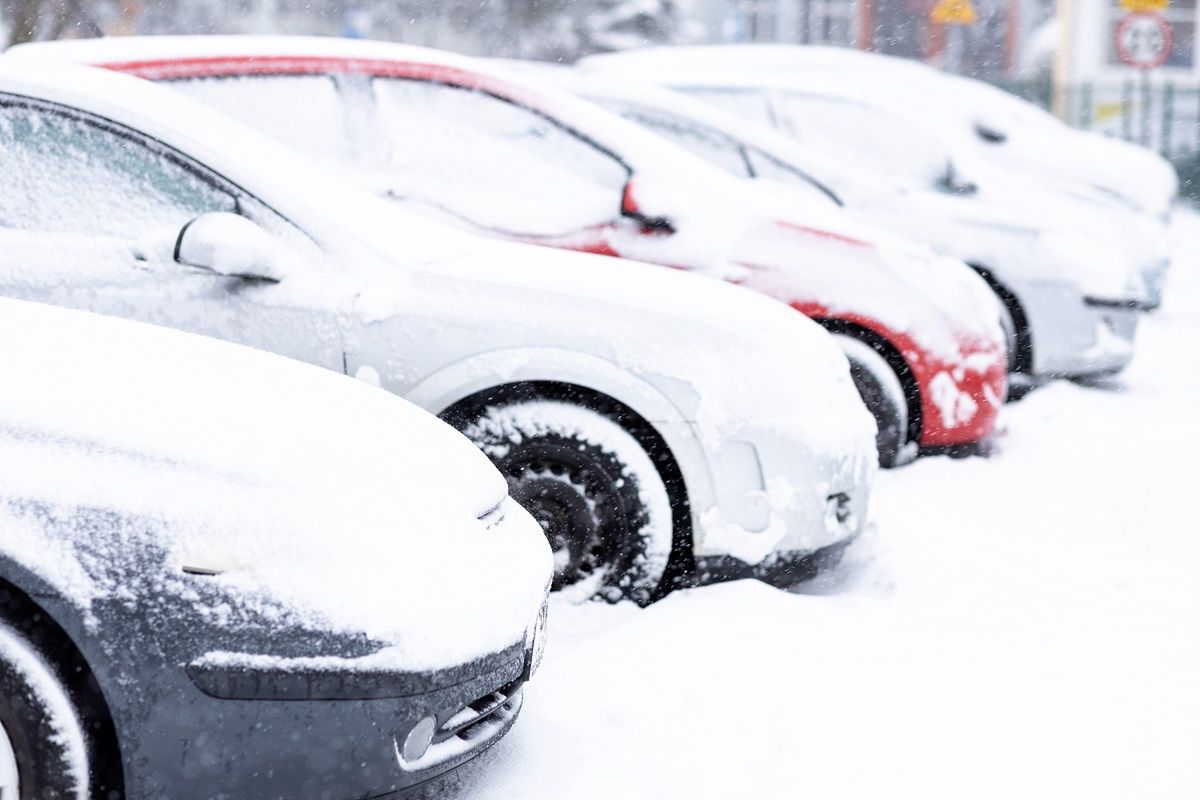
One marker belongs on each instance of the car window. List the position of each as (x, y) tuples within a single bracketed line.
[(62, 173), (713, 146), (492, 162), (866, 136), (746, 104), (302, 111), (767, 167)]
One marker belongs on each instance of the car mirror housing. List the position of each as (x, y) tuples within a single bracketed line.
[(661, 226), (230, 244)]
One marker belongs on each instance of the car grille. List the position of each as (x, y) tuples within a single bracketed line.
[(471, 729), (471, 721)]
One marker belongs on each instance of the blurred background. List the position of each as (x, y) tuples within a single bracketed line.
[(1069, 56)]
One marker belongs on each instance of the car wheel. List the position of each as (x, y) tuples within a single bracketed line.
[(1012, 341), (43, 754), (884, 397), (592, 488)]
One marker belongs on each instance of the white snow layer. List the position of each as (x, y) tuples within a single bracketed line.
[(1018, 626), (324, 493)]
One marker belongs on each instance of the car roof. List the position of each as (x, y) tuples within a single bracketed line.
[(158, 57)]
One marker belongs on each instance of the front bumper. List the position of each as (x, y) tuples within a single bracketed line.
[(781, 569), (961, 399), (1072, 337), (778, 497), (312, 745)]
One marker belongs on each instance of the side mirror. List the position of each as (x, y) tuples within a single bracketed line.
[(230, 244), (660, 226)]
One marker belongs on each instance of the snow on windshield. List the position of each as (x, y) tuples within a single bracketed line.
[(497, 164), (305, 489)]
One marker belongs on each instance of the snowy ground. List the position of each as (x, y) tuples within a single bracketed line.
[(1026, 625)]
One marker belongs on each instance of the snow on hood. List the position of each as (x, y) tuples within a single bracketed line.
[(716, 339), (335, 498)]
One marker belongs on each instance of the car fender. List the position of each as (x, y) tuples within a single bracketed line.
[(666, 402)]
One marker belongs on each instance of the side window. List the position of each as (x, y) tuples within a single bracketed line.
[(746, 104), (497, 164), (866, 136), (713, 146), (66, 174), (767, 167), (302, 111)]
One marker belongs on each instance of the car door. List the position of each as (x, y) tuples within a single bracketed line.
[(89, 215)]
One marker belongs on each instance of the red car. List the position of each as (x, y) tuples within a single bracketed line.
[(465, 140)]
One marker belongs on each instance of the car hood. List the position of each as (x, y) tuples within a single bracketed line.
[(704, 343), (329, 497)]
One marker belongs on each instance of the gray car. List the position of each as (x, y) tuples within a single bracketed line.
[(227, 574)]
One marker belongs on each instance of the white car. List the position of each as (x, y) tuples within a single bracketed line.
[(647, 419), (862, 124), (215, 562), (1071, 304), (970, 114)]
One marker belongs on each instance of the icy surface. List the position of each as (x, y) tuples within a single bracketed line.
[(1018, 626)]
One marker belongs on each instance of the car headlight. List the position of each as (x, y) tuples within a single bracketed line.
[(535, 642)]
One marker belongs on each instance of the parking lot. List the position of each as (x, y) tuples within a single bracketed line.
[(1017, 626)]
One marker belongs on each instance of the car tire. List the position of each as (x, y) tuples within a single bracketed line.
[(41, 737), (884, 397), (592, 487), (1012, 339)]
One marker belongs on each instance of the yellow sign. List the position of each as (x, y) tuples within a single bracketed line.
[(953, 12), (1142, 6)]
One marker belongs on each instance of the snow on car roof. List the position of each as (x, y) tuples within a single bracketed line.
[(332, 496), (609, 130)]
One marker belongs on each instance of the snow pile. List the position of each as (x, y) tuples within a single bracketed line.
[(1018, 626), (305, 490)]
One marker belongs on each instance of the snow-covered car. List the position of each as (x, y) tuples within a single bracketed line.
[(228, 574), (657, 424), (1069, 301), (972, 115), (462, 140), (859, 123)]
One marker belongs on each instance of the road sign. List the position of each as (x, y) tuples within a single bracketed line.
[(1135, 6), (953, 12), (1144, 40)]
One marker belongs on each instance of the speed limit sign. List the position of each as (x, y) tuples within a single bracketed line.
[(1144, 40)]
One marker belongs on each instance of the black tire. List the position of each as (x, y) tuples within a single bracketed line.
[(590, 485), (41, 724), (883, 395)]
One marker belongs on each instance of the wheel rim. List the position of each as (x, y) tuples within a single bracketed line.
[(9, 783), (574, 500)]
